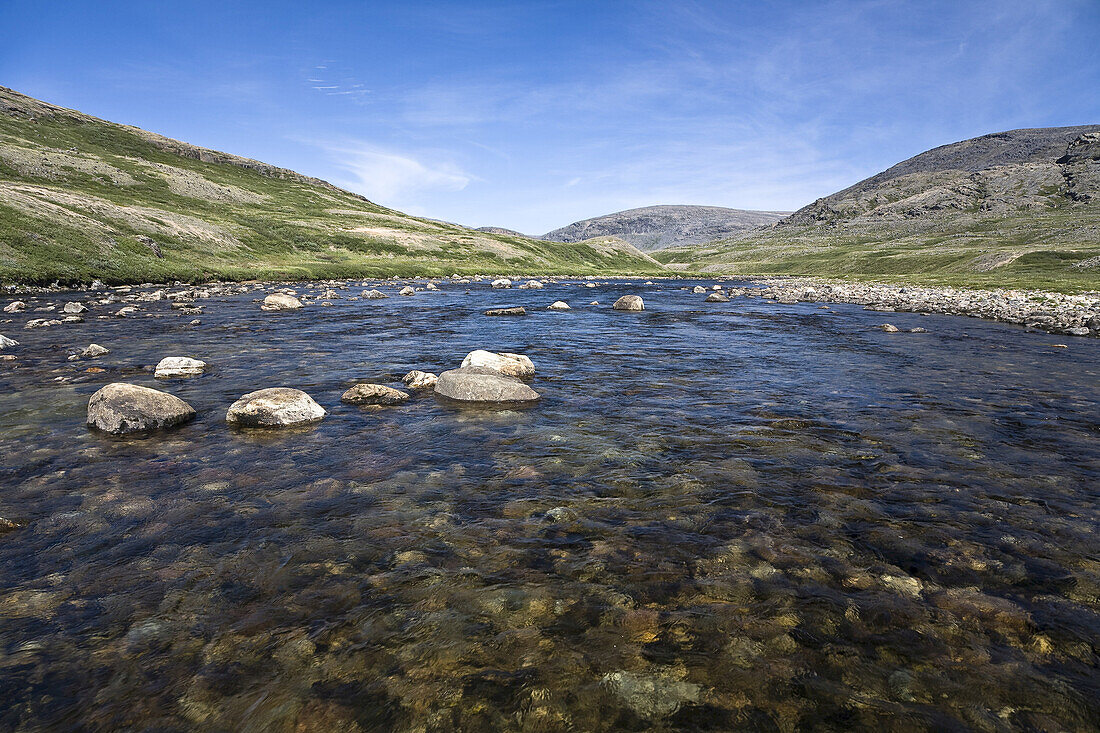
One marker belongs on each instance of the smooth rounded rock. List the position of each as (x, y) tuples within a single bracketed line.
[(417, 379), (629, 303), (558, 305), (281, 302), (508, 364), (121, 408), (476, 384), (374, 394), (179, 366), (717, 298), (274, 407), (502, 283), (407, 290)]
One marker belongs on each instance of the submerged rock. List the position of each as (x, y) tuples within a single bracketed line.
[(477, 384), (178, 366), (516, 311), (510, 365), (374, 394), (417, 379), (558, 305), (651, 696), (274, 407), (629, 303), (281, 302), (126, 408)]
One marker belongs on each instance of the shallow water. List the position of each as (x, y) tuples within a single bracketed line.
[(721, 516)]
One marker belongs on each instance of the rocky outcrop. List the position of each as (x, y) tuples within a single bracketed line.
[(476, 384), (374, 394), (121, 408), (508, 364), (273, 408)]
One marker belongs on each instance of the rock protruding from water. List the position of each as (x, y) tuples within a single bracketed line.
[(698, 290), (93, 351), (418, 380), (74, 308), (516, 311), (502, 283), (629, 303), (274, 407), (477, 384), (374, 394), (407, 290), (508, 364), (717, 298), (171, 367), (7, 343), (121, 408), (558, 305), (889, 328), (374, 294), (16, 306), (281, 302)]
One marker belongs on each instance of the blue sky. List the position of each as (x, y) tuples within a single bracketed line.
[(532, 115)]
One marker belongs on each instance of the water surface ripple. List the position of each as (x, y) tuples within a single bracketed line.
[(721, 516)]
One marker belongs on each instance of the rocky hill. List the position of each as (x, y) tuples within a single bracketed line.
[(657, 227), (82, 198), (1006, 172), (1018, 208)]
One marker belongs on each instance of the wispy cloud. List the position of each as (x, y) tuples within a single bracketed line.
[(390, 177)]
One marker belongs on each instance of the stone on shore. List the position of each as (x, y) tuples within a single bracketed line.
[(281, 302), (6, 342), (629, 303), (374, 394), (558, 305), (374, 294), (717, 298), (273, 408), (121, 408), (508, 364), (516, 311), (417, 379), (178, 366), (476, 384), (407, 290)]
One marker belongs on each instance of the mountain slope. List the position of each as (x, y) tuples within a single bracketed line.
[(657, 227), (82, 198), (1018, 208)]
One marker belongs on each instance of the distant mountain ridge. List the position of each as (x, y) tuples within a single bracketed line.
[(653, 228)]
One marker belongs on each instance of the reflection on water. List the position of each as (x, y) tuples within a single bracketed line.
[(721, 516)]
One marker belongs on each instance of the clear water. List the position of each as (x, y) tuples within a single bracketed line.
[(720, 516)]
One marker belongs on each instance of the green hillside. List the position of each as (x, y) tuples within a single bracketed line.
[(81, 198)]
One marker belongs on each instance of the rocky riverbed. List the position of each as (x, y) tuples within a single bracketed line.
[(718, 513)]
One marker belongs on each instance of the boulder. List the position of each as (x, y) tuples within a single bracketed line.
[(274, 407), (629, 303), (407, 290), (281, 302), (889, 328), (558, 305), (74, 308), (374, 294), (126, 408), (6, 342), (16, 306), (532, 285), (511, 365), (94, 350), (178, 366), (430, 286), (417, 379), (502, 283), (516, 311), (717, 298), (374, 394), (475, 384), (698, 289)]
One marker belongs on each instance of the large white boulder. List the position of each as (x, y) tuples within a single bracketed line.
[(273, 408), (178, 366), (281, 302)]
